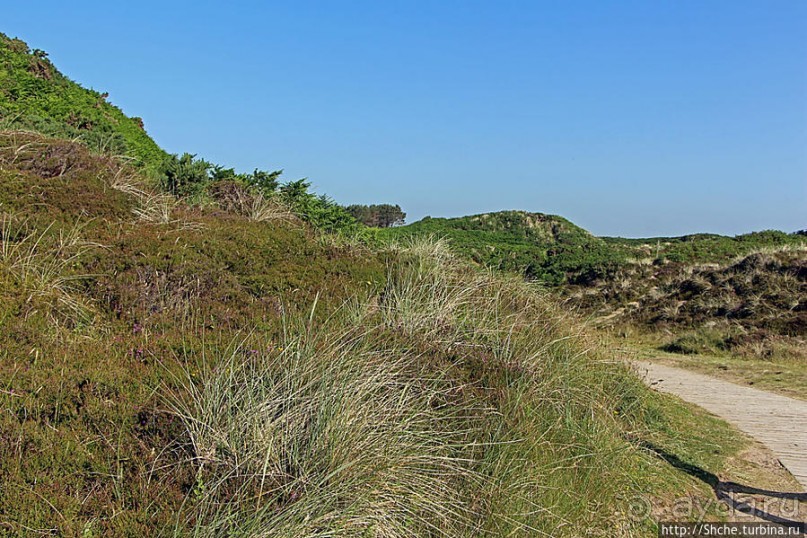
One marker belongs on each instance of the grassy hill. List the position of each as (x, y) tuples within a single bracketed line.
[(702, 293), (34, 95), (550, 249), (211, 373), (229, 367), (539, 246)]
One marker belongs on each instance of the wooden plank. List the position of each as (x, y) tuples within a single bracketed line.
[(777, 421)]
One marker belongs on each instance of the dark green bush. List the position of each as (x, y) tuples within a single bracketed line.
[(185, 175), (320, 211)]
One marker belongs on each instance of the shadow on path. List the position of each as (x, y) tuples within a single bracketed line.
[(723, 489)]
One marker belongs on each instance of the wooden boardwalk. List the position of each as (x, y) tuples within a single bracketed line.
[(777, 421)]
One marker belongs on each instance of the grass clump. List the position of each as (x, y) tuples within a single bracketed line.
[(256, 205), (327, 436), (41, 266)]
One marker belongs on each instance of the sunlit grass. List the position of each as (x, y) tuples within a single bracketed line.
[(42, 264)]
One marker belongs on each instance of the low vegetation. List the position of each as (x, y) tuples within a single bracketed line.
[(740, 296), (240, 376), (542, 247), (751, 306), (551, 250)]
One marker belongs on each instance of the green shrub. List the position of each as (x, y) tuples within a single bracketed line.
[(185, 175), (320, 211)]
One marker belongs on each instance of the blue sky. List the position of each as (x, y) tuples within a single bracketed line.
[(629, 118)]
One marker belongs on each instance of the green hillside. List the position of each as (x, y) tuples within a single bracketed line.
[(550, 249), (172, 369), (741, 296), (539, 246), (34, 95)]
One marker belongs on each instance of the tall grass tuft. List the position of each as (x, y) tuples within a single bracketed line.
[(326, 436), (262, 208), (40, 265), (156, 208), (423, 294)]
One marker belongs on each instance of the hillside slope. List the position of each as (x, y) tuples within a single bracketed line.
[(147, 360), (537, 245), (34, 95), (746, 287), (553, 250)]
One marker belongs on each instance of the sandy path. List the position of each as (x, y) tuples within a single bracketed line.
[(777, 421)]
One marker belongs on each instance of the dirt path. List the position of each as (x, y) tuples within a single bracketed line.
[(777, 421)]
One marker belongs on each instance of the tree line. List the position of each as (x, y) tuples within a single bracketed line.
[(378, 215)]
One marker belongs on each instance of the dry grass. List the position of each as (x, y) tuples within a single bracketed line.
[(41, 264), (157, 208), (126, 180), (242, 200), (263, 209), (325, 435), (424, 296), (164, 209)]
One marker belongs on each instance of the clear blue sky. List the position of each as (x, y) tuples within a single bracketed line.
[(631, 118)]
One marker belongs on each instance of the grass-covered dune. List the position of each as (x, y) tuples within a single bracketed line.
[(762, 292), (741, 296), (179, 370), (552, 250), (539, 246)]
